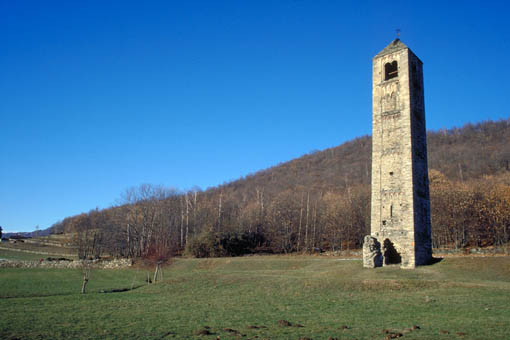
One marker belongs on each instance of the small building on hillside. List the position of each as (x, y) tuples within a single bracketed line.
[(18, 238)]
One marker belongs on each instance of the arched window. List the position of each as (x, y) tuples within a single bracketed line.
[(390, 70)]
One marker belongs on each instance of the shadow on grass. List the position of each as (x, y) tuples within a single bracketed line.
[(434, 260), (121, 290), (103, 291)]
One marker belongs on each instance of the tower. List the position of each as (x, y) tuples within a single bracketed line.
[(400, 205)]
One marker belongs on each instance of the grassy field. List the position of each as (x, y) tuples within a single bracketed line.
[(12, 254), (45, 250), (19, 255), (245, 298)]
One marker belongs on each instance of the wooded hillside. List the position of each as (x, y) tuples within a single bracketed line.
[(320, 201)]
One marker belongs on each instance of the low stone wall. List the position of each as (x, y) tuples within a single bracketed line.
[(472, 251), (112, 264), (354, 253)]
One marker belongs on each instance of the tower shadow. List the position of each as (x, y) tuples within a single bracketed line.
[(391, 255), (433, 261)]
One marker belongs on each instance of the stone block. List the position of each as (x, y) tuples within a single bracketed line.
[(372, 256)]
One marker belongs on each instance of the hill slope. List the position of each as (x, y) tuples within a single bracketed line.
[(466, 153), (318, 201)]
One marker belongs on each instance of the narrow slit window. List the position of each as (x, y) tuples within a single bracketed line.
[(390, 70)]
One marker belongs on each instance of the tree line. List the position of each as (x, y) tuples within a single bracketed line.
[(160, 222)]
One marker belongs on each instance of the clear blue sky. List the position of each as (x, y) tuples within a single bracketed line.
[(98, 96)]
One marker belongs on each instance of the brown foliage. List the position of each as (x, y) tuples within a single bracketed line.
[(317, 202)]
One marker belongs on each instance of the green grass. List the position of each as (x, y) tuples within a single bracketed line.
[(468, 295), (19, 255), (42, 248), (29, 256)]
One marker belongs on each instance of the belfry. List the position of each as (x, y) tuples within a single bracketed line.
[(400, 206)]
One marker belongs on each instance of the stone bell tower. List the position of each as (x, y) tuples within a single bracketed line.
[(400, 206)]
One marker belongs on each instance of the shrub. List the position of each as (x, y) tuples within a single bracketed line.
[(236, 244), (210, 244), (205, 244)]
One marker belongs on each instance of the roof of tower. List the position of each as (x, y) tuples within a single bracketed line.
[(394, 46)]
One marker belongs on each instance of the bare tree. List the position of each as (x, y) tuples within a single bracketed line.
[(86, 269)]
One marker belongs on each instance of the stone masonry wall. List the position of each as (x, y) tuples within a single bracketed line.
[(113, 264), (399, 164)]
